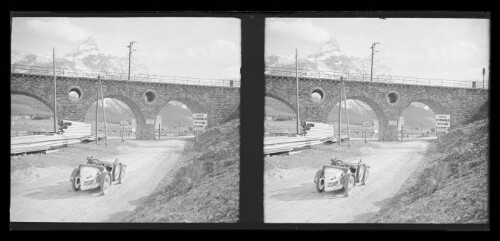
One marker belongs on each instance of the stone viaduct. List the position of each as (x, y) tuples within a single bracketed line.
[(145, 99), (387, 100)]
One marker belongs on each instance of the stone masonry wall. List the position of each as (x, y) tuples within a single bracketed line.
[(217, 102)]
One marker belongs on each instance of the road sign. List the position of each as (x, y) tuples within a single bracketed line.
[(443, 121), (366, 124), (150, 121), (200, 116), (133, 124), (197, 129), (442, 129), (393, 123), (401, 122), (158, 122), (199, 122), (124, 123)]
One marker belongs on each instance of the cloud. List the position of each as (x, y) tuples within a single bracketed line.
[(455, 52), (60, 27), (300, 28), (220, 49)]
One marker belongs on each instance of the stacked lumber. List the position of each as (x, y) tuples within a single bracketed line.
[(75, 129), (318, 133), (72, 132), (23, 144)]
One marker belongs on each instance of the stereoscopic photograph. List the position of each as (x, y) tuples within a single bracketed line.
[(125, 119), (376, 120)]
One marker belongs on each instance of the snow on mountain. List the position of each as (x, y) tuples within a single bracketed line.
[(330, 58), (86, 56)]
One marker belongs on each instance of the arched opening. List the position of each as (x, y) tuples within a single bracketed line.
[(418, 120), (279, 116), (360, 110), (74, 94), (120, 118), (30, 115), (176, 119)]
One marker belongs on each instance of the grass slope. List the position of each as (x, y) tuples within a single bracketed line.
[(206, 189), (453, 189)]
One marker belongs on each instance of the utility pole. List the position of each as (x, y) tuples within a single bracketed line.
[(340, 120), (373, 52), (346, 112), (55, 89), (129, 56), (297, 85), (484, 72), (103, 110), (97, 115)]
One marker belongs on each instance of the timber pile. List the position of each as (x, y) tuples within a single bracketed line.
[(73, 132), (75, 129), (318, 133)]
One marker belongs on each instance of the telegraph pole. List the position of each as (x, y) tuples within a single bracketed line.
[(373, 52), (340, 118), (103, 110), (129, 56), (55, 89), (484, 72), (346, 112), (297, 85)]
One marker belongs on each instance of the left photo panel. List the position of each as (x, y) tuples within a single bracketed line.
[(125, 119)]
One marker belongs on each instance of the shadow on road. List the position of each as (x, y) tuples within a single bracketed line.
[(61, 190), (306, 191)]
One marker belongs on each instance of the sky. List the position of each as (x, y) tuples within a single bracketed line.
[(456, 49), (193, 47)]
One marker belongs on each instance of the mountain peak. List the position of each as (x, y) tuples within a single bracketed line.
[(89, 46), (330, 46)]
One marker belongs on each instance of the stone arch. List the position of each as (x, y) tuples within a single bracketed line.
[(282, 100), (381, 116), (134, 107), (435, 106), (34, 96)]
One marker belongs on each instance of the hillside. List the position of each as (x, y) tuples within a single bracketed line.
[(452, 187), (206, 188)]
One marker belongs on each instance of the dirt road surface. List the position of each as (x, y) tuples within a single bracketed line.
[(51, 199), (295, 199)]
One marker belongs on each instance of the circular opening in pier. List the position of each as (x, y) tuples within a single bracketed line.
[(393, 97), (74, 94), (150, 96), (317, 95)]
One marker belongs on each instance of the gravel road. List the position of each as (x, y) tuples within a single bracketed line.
[(51, 199), (295, 199)]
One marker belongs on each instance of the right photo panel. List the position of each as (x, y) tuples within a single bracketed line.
[(376, 120)]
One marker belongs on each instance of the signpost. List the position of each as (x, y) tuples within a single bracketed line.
[(401, 122), (366, 125), (199, 123), (442, 125), (375, 127), (158, 125), (123, 124)]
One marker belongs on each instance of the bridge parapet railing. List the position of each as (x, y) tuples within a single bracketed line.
[(70, 72), (362, 77)]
